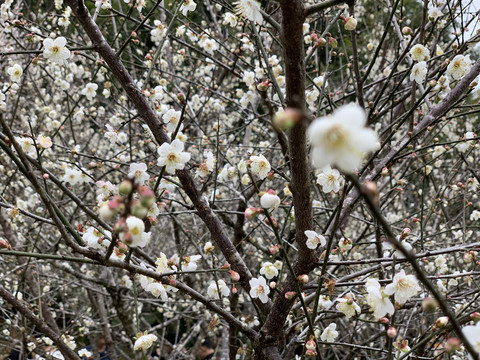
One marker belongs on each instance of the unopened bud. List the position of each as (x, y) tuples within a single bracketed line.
[(302, 279), (125, 187), (289, 295), (392, 332)]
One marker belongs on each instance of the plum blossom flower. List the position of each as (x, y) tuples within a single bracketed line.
[(419, 53), (260, 166), (269, 270), (90, 91), (403, 286), (341, 139), (158, 290), (348, 306), (249, 9), (313, 239), (187, 5), (44, 141), (378, 300), (259, 289), (172, 156), (330, 179), (171, 118), (144, 342), (15, 72), (330, 333), (158, 32), (472, 333), (270, 200), (459, 67), (419, 72), (212, 290), (207, 166), (138, 171), (55, 50), (189, 263)]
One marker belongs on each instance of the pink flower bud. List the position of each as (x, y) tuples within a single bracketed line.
[(392, 332), (302, 279), (310, 353), (274, 250), (441, 322), (383, 320), (289, 295), (475, 316), (4, 244), (235, 276), (350, 23), (405, 232), (311, 345), (252, 212)]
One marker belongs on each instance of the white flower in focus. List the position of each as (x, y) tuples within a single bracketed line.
[(269, 270), (229, 19), (260, 166), (270, 200), (172, 156), (15, 72), (212, 290), (158, 290), (84, 353), (171, 118), (330, 333), (465, 145), (403, 286), (434, 13), (348, 306), (341, 139), (259, 289), (419, 53), (377, 300), (144, 342), (187, 5), (55, 50), (475, 215), (90, 91), (459, 67), (472, 333), (313, 239), (330, 179), (136, 228), (138, 172), (189, 263), (419, 72), (158, 32), (249, 9), (207, 166), (320, 81)]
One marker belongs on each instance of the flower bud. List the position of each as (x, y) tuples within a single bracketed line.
[(405, 233), (311, 345), (452, 345), (475, 316), (275, 249), (321, 41), (310, 353), (289, 295), (4, 244), (234, 275), (302, 279), (208, 247), (383, 320), (287, 118), (407, 31), (139, 211), (125, 187), (252, 212), (350, 23), (429, 304), (392, 332), (333, 43), (441, 322), (106, 214)]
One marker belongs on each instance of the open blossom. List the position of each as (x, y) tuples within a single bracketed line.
[(90, 91), (259, 289), (15, 72), (44, 141), (158, 32), (465, 145), (145, 342), (330, 333), (158, 290), (434, 13), (459, 66), (403, 286), (55, 50), (419, 53), (378, 300), (260, 166), (249, 9), (313, 239), (212, 290), (472, 333), (229, 19), (330, 179), (172, 156), (189, 263), (187, 5), (270, 200), (138, 172), (171, 118), (419, 72), (348, 306), (136, 235), (341, 139), (269, 270), (207, 166)]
